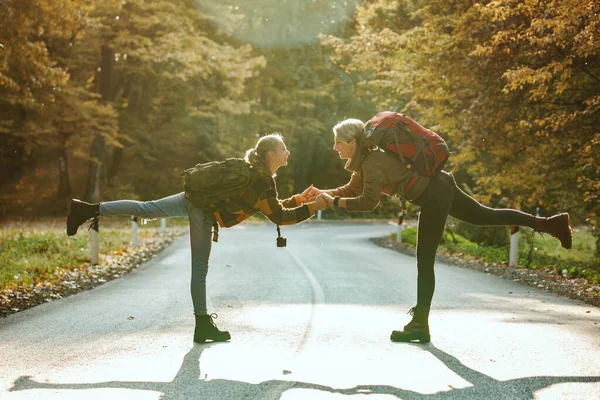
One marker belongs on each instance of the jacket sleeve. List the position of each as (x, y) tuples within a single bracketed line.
[(292, 202), (273, 208), (373, 182), (350, 189)]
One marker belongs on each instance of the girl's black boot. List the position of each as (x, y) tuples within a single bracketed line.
[(207, 330), (416, 329), (79, 212), (558, 226)]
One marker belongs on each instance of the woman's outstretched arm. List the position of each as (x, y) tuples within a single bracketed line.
[(366, 199), (269, 205)]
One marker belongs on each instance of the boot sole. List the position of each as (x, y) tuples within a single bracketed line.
[(201, 340), (410, 338), (71, 229), (569, 243), (566, 242)]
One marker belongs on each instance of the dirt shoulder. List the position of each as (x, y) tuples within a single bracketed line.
[(549, 279)]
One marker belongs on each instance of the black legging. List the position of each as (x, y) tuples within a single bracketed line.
[(442, 198)]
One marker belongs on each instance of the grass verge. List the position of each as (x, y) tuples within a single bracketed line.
[(535, 251), (39, 263), (33, 251)]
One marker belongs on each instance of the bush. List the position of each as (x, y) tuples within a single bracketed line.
[(531, 255), (484, 235)]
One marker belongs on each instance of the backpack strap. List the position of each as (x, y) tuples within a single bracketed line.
[(402, 196), (215, 231), (398, 147), (403, 200), (421, 143)]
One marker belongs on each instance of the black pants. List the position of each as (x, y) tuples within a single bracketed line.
[(442, 198)]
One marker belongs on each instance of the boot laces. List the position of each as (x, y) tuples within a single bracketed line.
[(93, 221), (412, 311), (211, 317)]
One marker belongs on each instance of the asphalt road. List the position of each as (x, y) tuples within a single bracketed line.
[(311, 321)]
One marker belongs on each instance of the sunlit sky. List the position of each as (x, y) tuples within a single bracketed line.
[(277, 23)]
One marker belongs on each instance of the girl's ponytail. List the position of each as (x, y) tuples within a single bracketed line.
[(257, 156), (252, 156)]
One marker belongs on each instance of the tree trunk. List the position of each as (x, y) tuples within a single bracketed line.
[(64, 182), (597, 235), (134, 107), (117, 157), (217, 126), (96, 168)]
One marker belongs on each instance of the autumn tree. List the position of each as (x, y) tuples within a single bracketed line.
[(42, 105), (512, 85), (138, 81), (160, 64)]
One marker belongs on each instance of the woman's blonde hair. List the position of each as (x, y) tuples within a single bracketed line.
[(349, 129), (257, 156)]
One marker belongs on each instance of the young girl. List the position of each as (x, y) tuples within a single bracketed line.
[(269, 154), (374, 172)]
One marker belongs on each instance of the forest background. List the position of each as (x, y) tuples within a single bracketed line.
[(108, 99)]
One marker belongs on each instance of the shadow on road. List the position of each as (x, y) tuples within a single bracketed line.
[(188, 383)]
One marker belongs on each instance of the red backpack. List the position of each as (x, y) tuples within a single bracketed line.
[(417, 147)]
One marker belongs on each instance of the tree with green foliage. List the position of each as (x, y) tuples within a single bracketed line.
[(300, 93)]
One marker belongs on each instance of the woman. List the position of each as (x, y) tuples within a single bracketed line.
[(374, 172), (269, 154)]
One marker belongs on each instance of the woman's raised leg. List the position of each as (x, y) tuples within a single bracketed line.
[(80, 211), (171, 206), (469, 210)]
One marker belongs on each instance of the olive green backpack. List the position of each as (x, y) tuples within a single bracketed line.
[(209, 183), (206, 184)]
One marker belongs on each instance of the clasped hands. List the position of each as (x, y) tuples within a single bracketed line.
[(319, 198)]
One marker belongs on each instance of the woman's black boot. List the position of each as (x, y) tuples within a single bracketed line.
[(416, 329), (79, 212), (207, 330)]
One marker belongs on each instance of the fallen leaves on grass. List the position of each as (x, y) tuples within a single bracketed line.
[(73, 279), (550, 279)]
